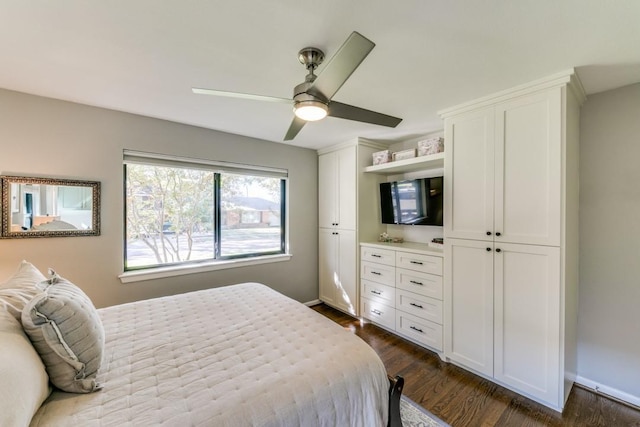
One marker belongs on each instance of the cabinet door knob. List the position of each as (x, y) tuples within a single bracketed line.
[(498, 250), (488, 249), (488, 233), (498, 234)]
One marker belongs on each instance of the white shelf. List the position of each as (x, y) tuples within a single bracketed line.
[(432, 161)]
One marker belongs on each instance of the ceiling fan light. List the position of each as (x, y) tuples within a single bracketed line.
[(310, 111)]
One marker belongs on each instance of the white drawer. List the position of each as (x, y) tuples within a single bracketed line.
[(418, 305), (378, 313), (378, 292), (419, 330), (378, 273), (428, 285), (417, 262), (380, 256)]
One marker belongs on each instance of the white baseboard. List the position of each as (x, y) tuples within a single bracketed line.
[(609, 391), (312, 303)]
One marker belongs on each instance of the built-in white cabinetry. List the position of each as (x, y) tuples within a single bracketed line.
[(337, 268), (503, 171), (337, 175), (469, 313), (348, 205), (510, 229), (401, 290), (527, 347)]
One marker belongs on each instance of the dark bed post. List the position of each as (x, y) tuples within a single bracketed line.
[(395, 391)]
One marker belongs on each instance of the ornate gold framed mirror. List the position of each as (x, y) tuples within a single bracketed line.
[(44, 207)]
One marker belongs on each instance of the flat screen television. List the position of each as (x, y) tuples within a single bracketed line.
[(412, 202)]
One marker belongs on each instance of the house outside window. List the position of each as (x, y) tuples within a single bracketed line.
[(184, 211), (250, 217)]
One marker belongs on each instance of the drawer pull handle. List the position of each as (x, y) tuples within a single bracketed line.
[(377, 312), (376, 273), (416, 282), (416, 329), (376, 292), (376, 256), (415, 305), (416, 262)]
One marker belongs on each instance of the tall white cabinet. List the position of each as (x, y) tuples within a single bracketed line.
[(511, 237), (348, 202)]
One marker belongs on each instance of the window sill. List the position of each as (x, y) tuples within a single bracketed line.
[(180, 270)]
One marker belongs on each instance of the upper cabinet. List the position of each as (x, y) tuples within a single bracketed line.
[(503, 175), (469, 184), (338, 195)]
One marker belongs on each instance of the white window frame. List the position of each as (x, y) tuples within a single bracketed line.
[(138, 157)]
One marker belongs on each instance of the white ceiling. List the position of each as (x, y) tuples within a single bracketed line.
[(143, 56)]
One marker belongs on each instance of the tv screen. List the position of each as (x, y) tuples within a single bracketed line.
[(412, 202)]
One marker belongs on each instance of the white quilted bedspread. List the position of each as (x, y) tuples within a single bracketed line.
[(241, 355)]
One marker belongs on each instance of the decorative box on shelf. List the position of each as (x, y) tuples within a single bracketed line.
[(381, 157), (404, 154), (430, 146)]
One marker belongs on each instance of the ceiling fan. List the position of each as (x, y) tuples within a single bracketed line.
[(312, 99)]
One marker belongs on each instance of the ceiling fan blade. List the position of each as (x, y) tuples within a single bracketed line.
[(341, 65), (202, 91), (349, 112), (296, 126)]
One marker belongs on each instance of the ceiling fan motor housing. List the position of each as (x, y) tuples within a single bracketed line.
[(301, 94)]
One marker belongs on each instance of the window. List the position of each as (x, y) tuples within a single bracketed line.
[(182, 211)]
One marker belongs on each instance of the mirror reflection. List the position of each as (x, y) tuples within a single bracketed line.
[(38, 207)]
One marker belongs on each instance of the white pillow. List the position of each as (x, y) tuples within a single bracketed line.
[(24, 384), (66, 331), (16, 292)]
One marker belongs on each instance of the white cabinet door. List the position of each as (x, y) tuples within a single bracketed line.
[(468, 296), (327, 187), (337, 269), (346, 297), (347, 194), (469, 175), (528, 168), (337, 195), (527, 319), (327, 267)]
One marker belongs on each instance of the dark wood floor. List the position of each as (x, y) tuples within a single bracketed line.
[(464, 399)]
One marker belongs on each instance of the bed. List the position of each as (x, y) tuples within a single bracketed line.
[(230, 356)]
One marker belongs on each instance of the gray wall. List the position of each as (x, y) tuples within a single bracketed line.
[(49, 138), (609, 311)]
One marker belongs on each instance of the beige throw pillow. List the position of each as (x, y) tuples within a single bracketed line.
[(66, 330), (16, 292)]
